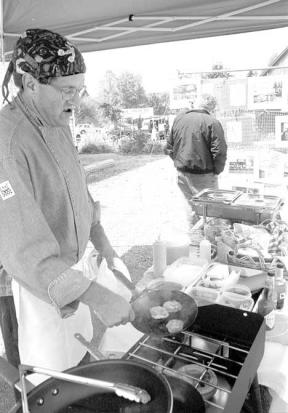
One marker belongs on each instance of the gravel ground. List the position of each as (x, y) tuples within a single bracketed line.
[(135, 206)]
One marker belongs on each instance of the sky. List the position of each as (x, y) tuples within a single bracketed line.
[(158, 63)]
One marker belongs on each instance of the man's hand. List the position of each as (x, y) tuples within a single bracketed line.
[(102, 244), (96, 212), (109, 254), (120, 312), (111, 308)]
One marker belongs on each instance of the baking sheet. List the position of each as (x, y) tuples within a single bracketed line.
[(220, 195), (266, 201)]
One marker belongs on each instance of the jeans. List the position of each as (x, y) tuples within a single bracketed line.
[(190, 184), (9, 329)]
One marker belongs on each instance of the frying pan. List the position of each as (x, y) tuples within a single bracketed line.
[(59, 396), (186, 398), (143, 302)]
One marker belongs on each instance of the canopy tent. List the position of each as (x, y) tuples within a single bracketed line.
[(107, 24)]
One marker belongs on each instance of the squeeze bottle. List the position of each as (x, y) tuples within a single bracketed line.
[(159, 257), (205, 250)]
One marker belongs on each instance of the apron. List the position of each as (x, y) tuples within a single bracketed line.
[(44, 338), (117, 340)]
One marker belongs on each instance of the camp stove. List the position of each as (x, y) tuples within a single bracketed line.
[(228, 341), (236, 205)]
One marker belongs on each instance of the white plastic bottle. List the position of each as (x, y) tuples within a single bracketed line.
[(205, 250)]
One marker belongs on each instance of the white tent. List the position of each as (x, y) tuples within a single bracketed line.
[(106, 24)]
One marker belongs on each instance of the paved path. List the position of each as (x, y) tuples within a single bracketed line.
[(138, 204)]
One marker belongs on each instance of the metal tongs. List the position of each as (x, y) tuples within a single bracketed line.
[(127, 391)]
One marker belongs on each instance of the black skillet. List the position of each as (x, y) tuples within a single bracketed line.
[(143, 302), (63, 397), (58, 396)]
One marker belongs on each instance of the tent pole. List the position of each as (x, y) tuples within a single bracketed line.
[(2, 58)]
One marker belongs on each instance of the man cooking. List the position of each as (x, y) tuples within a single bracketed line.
[(46, 214)]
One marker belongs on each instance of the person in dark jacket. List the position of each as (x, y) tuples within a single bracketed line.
[(198, 149)]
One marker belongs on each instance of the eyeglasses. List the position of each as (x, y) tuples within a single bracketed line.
[(69, 92)]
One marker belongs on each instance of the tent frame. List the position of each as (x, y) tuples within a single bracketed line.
[(152, 23)]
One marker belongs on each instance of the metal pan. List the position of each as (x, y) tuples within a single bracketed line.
[(142, 304), (59, 396), (186, 398), (144, 321)]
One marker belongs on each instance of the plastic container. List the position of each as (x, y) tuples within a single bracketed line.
[(236, 302), (238, 289), (218, 276), (237, 296), (202, 295), (177, 244), (185, 270)]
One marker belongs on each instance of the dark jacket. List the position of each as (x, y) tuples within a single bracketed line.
[(196, 143)]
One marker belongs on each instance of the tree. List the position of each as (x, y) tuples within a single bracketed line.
[(160, 103), (113, 113), (131, 90), (109, 98), (214, 75), (87, 111), (110, 92)]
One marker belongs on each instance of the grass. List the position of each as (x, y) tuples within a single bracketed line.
[(123, 163), (138, 259)]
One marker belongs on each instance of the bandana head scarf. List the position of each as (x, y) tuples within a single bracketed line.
[(43, 54)]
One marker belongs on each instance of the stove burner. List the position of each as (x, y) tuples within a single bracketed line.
[(189, 371), (232, 350)]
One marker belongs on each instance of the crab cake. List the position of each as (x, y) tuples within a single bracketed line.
[(172, 306), (175, 326), (158, 312)]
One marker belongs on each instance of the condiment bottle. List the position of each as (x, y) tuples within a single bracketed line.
[(159, 257), (177, 245), (280, 286), (205, 250), (268, 301)]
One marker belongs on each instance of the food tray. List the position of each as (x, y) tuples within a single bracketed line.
[(219, 195), (207, 296), (185, 270), (243, 207), (203, 295), (257, 201)]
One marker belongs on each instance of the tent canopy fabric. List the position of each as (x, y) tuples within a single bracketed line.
[(107, 24)]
